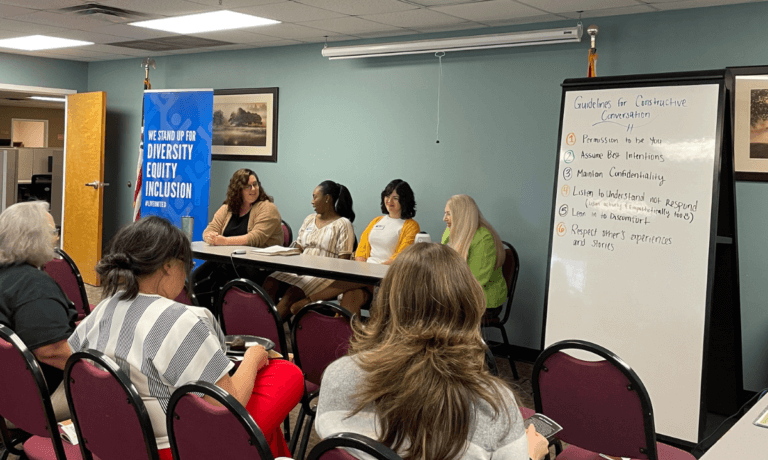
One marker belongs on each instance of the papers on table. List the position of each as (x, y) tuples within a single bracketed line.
[(276, 251)]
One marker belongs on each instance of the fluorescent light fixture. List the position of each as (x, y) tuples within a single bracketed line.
[(205, 22), (476, 42), (49, 99), (40, 42)]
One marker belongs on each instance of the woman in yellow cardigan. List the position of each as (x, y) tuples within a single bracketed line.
[(384, 238)]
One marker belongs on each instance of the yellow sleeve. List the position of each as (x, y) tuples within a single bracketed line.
[(407, 235), (219, 222), (363, 246)]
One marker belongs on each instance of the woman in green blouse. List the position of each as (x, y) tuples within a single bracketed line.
[(476, 241)]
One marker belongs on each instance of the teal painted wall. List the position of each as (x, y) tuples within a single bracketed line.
[(366, 122), (17, 69)]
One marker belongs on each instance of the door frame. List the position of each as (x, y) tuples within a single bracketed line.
[(46, 91)]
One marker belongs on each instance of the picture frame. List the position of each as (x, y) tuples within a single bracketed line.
[(245, 124), (749, 127)]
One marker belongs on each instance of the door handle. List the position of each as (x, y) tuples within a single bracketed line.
[(96, 185)]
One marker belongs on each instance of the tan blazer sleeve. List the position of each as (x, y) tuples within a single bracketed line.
[(219, 222), (265, 225)]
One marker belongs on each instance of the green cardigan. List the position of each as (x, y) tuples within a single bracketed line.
[(481, 259)]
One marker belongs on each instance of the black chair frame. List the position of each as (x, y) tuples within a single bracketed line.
[(326, 308), (290, 231), (131, 393), (253, 288), (80, 282), (354, 441), (635, 385), (257, 438), (42, 388), (507, 309)]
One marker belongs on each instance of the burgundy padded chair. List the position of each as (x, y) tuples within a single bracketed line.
[(244, 308), (602, 405), (287, 234), (109, 416), (66, 274), (25, 401), (319, 338), (184, 298), (511, 269), (199, 430), (330, 448)]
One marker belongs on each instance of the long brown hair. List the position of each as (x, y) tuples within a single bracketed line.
[(424, 354), (466, 219), (237, 184)]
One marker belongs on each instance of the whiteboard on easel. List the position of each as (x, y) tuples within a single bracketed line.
[(632, 234)]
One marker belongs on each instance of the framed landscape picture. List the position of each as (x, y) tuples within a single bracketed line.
[(245, 124), (750, 123)]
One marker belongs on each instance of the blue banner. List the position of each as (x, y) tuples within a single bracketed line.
[(177, 156)]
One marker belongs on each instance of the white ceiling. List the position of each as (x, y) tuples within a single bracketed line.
[(303, 21)]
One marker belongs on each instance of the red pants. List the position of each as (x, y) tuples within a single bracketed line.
[(276, 391)]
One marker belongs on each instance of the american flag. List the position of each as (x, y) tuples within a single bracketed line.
[(140, 166)]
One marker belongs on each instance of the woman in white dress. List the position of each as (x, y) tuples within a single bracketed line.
[(326, 233)]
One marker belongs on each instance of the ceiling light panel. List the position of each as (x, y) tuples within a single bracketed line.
[(205, 22), (40, 42)]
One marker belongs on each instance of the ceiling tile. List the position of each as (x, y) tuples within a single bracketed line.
[(290, 12), (7, 11), (360, 7), (414, 19), (123, 31), (236, 36), (610, 12), (160, 7), (293, 31), (351, 25), (386, 34), (89, 36), (108, 49), (526, 20), (27, 28), (442, 2), (665, 6), (492, 10), (234, 4), (450, 27), (67, 21), (563, 6), (43, 4)]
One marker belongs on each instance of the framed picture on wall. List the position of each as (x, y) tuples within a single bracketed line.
[(245, 124), (749, 107)]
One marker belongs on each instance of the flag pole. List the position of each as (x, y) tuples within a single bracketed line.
[(592, 71), (146, 63)]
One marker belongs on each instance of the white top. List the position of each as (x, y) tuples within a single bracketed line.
[(334, 240), (159, 344), (384, 237)]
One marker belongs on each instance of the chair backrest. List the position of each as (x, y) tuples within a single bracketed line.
[(511, 269), (64, 271), (244, 307), (330, 448), (24, 396), (287, 234), (320, 338), (602, 405), (184, 298), (109, 416), (199, 430)]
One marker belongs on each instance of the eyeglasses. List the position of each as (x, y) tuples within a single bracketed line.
[(252, 186)]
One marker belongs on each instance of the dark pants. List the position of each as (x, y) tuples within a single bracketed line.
[(210, 277)]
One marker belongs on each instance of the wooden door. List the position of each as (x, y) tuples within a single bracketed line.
[(84, 165)]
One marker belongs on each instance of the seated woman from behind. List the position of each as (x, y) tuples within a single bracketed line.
[(326, 233), (479, 244), (167, 344), (384, 238), (415, 377)]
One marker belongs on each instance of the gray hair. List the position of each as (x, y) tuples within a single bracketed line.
[(26, 235)]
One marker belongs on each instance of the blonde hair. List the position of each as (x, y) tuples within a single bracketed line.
[(26, 235), (466, 218), (424, 355)]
